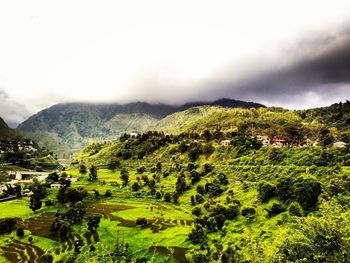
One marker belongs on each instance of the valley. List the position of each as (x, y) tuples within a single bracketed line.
[(201, 185)]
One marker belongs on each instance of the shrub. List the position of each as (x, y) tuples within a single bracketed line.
[(20, 232), (275, 209), (266, 191), (248, 211), (197, 211), (295, 209), (141, 221)]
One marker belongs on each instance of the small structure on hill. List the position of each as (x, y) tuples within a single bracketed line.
[(264, 139), (339, 144), (226, 143), (278, 142)]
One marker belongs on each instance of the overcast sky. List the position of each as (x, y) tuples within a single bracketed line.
[(294, 54)]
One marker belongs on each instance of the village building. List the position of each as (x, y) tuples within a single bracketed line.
[(264, 139), (339, 144), (278, 142), (226, 143)]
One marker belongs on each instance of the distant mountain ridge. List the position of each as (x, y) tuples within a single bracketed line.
[(6, 133), (75, 124)]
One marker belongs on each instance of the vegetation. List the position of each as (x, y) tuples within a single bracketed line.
[(182, 196)]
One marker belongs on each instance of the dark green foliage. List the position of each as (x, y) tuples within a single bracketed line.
[(266, 191), (197, 211), (306, 192), (135, 187), (141, 221), (181, 184), (200, 189), (93, 222), (141, 170), (197, 235), (108, 193), (7, 225), (232, 211), (167, 197), (35, 202), (195, 177), (60, 228), (46, 258), (72, 195), (275, 209), (295, 209), (20, 232), (113, 164), (222, 179), (220, 220), (248, 211), (93, 173), (82, 169), (75, 214), (53, 177), (124, 176)]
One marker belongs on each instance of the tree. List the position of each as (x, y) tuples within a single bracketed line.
[(135, 187), (47, 258), (266, 191), (7, 225), (82, 169), (197, 235), (167, 197), (93, 223), (18, 190), (108, 193), (141, 221), (113, 164), (295, 209), (35, 202), (93, 173), (124, 176)]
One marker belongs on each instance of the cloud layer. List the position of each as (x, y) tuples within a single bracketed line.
[(293, 54)]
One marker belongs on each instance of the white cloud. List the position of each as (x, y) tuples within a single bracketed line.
[(54, 51)]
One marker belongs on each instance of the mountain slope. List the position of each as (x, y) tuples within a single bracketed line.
[(6, 132), (72, 125)]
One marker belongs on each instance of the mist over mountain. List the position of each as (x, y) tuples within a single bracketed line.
[(68, 127)]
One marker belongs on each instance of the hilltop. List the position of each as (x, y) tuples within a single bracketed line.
[(70, 126)]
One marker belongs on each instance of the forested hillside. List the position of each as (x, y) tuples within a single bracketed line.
[(71, 126)]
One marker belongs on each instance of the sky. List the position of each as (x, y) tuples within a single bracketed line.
[(294, 54)]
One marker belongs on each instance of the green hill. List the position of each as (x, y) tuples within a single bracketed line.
[(71, 126)]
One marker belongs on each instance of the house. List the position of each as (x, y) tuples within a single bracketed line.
[(278, 143), (264, 139), (339, 144), (226, 143), (133, 134), (55, 185)]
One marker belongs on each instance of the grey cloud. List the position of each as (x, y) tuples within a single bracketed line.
[(323, 75), (11, 111)]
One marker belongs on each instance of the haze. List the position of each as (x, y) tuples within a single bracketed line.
[(293, 54)]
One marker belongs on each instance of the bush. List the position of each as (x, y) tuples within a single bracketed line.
[(197, 235), (275, 209), (20, 232), (47, 258), (248, 211), (141, 221), (108, 193), (295, 209), (7, 225), (266, 191), (167, 197), (197, 211)]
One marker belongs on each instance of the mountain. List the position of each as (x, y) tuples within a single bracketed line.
[(6, 132), (68, 127)]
